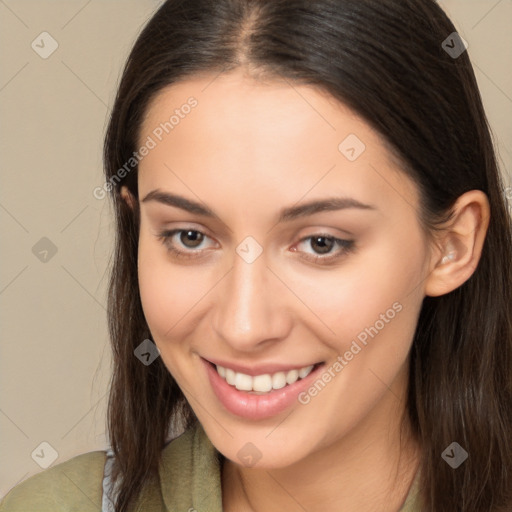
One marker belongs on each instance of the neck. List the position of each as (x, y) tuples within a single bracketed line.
[(369, 469)]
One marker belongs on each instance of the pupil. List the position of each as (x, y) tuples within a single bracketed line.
[(191, 236), (324, 248)]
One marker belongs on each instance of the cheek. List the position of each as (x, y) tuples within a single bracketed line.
[(383, 305), (163, 298), (372, 305), (155, 293), (376, 292), (162, 288), (171, 294)]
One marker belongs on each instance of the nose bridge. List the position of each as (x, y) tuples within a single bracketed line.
[(247, 312)]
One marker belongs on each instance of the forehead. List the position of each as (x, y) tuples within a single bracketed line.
[(234, 105), (263, 136)]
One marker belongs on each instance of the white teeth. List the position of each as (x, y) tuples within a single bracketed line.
[(278, 380), (262, 383), (304, 372), (243, 382), (230, 376), (292, 376)]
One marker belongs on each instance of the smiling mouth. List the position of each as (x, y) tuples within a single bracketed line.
[(265, 383)]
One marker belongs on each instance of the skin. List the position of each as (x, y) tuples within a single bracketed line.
[(249, 149)]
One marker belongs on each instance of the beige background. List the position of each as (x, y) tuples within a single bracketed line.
[(55, 355)]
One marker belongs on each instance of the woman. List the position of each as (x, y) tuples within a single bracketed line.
[(310, 295)]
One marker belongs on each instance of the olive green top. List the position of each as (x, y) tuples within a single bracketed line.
[(189, 479)]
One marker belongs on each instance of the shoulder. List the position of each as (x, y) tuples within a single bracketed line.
[(190, 471), (72, 485)]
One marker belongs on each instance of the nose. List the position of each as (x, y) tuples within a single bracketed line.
[(250, 306)]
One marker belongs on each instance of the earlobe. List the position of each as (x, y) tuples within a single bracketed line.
[(459, 252)]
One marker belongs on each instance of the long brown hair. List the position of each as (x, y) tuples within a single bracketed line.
[(386, 60)]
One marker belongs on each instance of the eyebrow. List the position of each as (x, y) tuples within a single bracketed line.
[(286, 214)]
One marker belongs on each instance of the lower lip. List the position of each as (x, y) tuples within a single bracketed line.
[(257, 407)]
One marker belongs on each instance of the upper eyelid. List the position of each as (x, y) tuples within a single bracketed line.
[(319, 232), (176, 231), (172, 232), (345, 247), (322, 233), (167, 230)]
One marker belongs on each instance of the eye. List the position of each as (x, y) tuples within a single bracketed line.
[(322, 245), (186, 245)]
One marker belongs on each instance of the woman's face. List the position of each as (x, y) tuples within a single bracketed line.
[(257, 276)]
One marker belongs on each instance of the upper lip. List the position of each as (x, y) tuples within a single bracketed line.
[(258, 369)]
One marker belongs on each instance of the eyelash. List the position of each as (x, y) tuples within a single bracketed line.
[(347, 246)]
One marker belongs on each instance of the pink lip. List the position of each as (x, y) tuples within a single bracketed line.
[(257, 407), (258, 369)]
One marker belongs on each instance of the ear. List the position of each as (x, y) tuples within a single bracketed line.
[(459, 247), (128, 197)]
